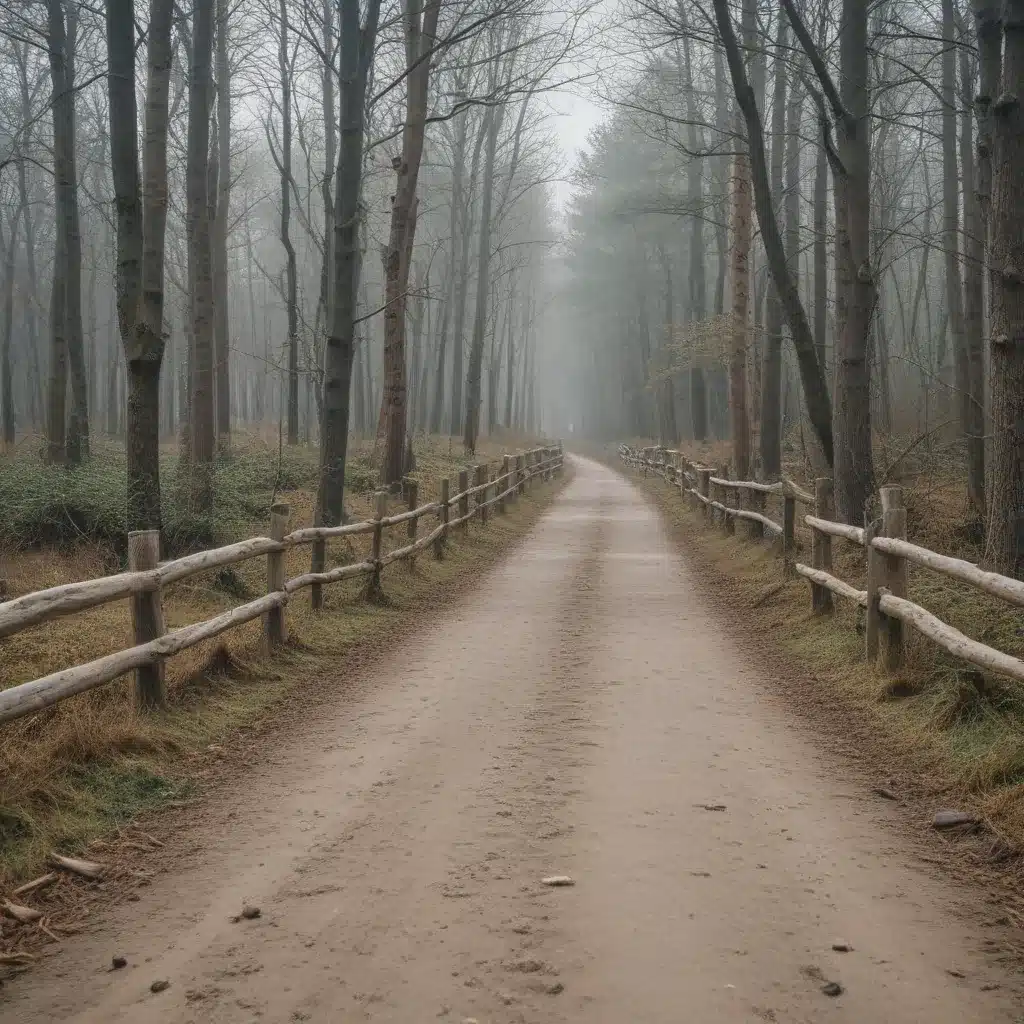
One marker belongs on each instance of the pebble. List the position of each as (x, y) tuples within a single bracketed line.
[(842, 947), (118, 962), (558, 881), (159, 985), (250, 913), (952, 819), (832, 988), (555, 988)]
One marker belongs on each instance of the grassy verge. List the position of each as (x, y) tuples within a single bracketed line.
[(947, 734), (87, 766)]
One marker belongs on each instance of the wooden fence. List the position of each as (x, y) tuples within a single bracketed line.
[(886, 548), (144, 582)]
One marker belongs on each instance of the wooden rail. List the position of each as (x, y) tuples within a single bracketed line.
[(144, 583), (887, 551)]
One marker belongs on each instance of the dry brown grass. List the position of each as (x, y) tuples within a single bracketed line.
[(954, 735), (91, 763)]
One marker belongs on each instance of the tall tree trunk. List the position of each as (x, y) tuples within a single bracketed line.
[(201, 390), (854, 468), (354, 56), (812, 380), (974, 295), (820, 254), (794, 112), (1005, 546), (668, 431), (951, 219), (291, 268), (221, 317), (78, 422), (771, 366), (471, 424), (56, 401), (142, 216), (510, 358), (420, 24), (462, 288), (455, 204), (6, 383)]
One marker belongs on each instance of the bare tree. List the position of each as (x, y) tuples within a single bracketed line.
[(141, 222)]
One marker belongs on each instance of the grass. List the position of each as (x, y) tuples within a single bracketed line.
[(953, 734), (84, 767)]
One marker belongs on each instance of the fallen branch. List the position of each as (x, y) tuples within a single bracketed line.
[(84, 868), (23, 915), (37, 883)]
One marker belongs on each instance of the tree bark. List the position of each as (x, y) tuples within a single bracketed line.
[(771, 366), (812, 378), (56, 399), (1005, 543), (201, 390), (471, 423), (78, 422), (951, 220), (974, 294), (221, 313), (455, 202), (141, 220), (354, 56), (6, 383), (420, 24)]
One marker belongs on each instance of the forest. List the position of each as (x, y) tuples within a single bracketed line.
[(293, 221), (800, 229), (796, 228)]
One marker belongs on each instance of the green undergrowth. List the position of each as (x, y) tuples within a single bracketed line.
[(61, 507)]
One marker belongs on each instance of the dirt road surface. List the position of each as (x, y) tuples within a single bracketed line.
[(581, 714)]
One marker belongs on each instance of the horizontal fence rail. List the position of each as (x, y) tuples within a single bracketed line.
[(144, 582), (887, 553)]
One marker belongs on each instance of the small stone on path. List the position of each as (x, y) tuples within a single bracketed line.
[(832, 988), (952, 819), (159, 985), (558, 881), (117, 963), (842, 947)]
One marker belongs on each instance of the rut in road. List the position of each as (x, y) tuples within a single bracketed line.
[(575, 714)]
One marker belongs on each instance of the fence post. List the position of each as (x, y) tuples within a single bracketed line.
[(876, 573), (503, 485), (755, 503), (821, 545), (412, 490), (728, 521), (482, 474), (317, 563), (520, 475), (788, 527), (147, 619), (464, 500), (894, 524), (704, 487), (274, 625), (380, 511), (442, 538)]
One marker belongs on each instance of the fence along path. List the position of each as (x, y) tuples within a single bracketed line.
[(146, 578), (887, 553)]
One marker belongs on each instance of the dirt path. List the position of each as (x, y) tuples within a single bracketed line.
[(581, 714)]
